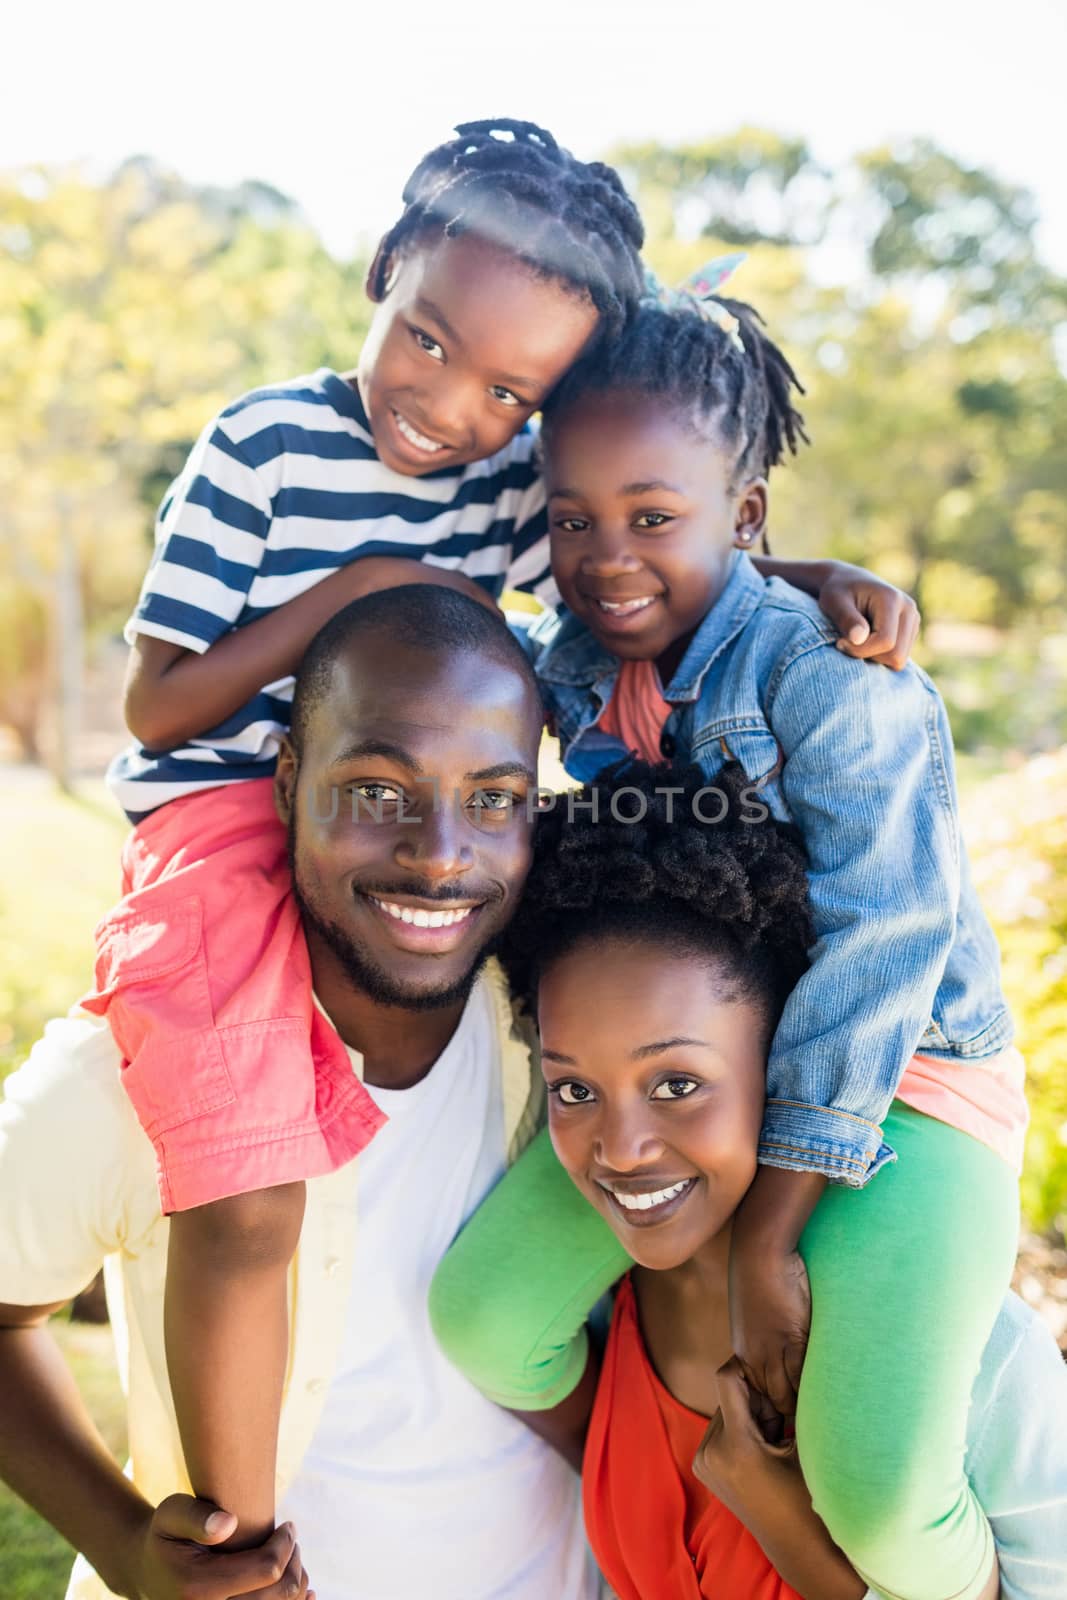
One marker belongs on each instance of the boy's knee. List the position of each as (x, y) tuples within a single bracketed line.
[(256, 1230)]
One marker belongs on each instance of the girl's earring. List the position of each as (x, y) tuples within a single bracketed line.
[(743, 537)]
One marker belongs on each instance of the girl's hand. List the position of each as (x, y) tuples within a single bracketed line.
[(877, 622), (770, 1315)]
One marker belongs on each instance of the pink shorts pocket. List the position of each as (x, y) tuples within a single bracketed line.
[(152, 980)]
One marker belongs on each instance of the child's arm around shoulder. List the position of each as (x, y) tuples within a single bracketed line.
[(877, 621), (172, 694)]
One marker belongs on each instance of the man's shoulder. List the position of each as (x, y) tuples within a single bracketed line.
[(71, 1084)]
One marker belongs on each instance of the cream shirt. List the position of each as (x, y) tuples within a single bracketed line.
[(78, 1189)]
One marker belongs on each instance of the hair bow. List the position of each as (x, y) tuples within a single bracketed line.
[(696, 293)]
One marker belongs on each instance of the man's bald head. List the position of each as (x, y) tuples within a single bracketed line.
[(422, 616)]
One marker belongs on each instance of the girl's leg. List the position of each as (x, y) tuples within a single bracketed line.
[(227, 1332), (510, 1301), (907, 1276)]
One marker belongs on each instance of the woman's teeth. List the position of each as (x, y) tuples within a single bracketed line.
[(423, 919), (645, 1202), (419, 440), (624, 608)]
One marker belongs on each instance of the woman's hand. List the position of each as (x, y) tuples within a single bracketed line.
[(877, 622), (173, 1558), (762, 1484)]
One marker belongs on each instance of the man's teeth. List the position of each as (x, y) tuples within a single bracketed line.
[(623, 608), (423, 919), (645, 1202), (419, 440)]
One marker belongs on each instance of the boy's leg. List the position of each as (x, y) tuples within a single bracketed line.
[(510, 1301), (227, 1331), (907, 1276)]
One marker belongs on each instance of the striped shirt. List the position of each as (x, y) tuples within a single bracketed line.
[(282, 488)]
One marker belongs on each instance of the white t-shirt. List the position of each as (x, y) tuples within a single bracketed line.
[(414, 1485)]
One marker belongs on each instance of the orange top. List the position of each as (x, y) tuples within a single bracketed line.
[(656, 1532), (637, 710)]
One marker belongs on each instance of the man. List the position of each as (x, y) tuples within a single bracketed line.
[(405, 787)]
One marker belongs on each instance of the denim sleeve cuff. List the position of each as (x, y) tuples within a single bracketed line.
[(805, 1138)]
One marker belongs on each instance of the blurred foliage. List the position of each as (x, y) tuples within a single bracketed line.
[(1017, 829)]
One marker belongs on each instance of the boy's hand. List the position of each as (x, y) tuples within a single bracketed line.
[(770, 1315), (371, 573), (173, 1558), (877, 622)]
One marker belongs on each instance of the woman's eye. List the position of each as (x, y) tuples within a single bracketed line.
[(431, 346), (572, 1094), (571, 524), (652, 519), (505, 396), (674, 1089)]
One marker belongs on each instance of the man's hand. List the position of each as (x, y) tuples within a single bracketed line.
[(172, 1558), (770, 1315), (877, 622)]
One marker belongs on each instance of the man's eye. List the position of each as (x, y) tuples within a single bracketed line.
[(431, 346), (373, 799), (652, 519), (505, 396), (674, 1089), (572, 1094), (498, 800)]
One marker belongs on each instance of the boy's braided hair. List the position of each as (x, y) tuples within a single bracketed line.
[(746, 392), (733, 892), (567, 219)]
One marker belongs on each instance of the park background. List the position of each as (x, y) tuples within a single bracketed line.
[(187, 211)]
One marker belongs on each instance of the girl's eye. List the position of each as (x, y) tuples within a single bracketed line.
[(572, 524), (505, 396), (431, 346), (572, 1094), (652, 519), (675, 1089)]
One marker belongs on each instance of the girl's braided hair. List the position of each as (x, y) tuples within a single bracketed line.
[(567, 219), (733, 892), (745, 391)]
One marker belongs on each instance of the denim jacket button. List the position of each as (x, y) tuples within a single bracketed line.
[(667, 744)]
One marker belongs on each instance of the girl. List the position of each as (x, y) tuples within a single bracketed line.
[(657, 450), (509, 259), (655, 1115)]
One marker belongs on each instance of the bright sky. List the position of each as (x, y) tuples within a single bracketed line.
[(333, 101)]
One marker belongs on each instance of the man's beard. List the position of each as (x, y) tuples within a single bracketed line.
[(365, 974)]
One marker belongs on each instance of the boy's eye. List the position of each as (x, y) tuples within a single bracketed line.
[(431, 346), (505, 396), (674, 1089), (572, 1094), (652, 519)]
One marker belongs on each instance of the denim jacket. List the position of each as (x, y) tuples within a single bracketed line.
[(860, 759)]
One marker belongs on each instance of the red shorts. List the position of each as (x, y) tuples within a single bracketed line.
[(202, 969)]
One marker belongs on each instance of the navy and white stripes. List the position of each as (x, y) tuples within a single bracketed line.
[(281, 489)]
